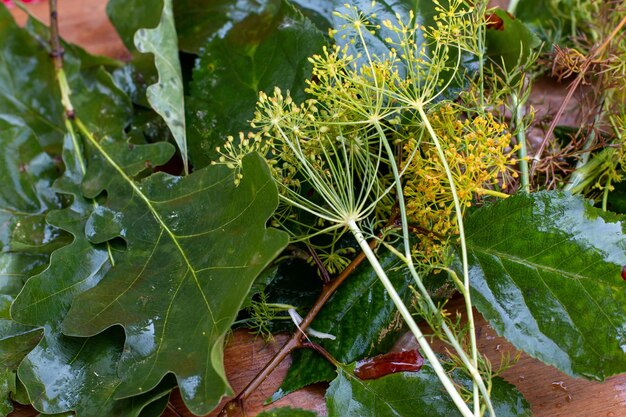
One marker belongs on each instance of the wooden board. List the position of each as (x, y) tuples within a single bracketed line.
[(551, 393)]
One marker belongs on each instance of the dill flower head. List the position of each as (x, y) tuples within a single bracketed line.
[(480, 156)]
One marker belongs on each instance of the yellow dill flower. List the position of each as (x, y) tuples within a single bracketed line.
[(480, 155)]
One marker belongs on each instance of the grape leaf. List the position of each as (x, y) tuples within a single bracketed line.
[(361, 316), (194, 246), (166, 96), (546, 272), (260, 50), (199, 21), (410, 394)]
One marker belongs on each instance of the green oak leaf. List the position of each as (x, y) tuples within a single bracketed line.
[(361, 316), (26, 241), (410, 394), (27, 173), (546, 273), (287, 412), (268, 47), (166, 96), (85, 375), (194, 246)]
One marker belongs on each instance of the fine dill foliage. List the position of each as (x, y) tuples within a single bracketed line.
[(374, 128)]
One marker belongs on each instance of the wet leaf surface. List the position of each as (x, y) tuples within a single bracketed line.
[(361, 316), (183, 275), (167, 95), (409, 394), (546, 273)]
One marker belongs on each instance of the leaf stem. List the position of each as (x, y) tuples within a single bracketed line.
[(518, 114), (64, 87)]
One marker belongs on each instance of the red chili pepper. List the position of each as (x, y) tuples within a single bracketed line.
[(389, 363)]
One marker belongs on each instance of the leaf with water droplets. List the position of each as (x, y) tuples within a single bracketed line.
[(166, 96), (546, 272)]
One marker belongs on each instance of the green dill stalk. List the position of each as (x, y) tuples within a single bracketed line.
[(408, 318), (518, 115), (465, 289)]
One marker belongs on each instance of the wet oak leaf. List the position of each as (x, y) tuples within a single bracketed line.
[(194, 245), (85, 375), (166, 96)]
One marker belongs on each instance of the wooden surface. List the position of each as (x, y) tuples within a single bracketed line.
[(551, 393)]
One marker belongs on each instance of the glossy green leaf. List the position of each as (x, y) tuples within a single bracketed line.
[(7, 387), (25, 240), (546, 272), (26, 77), (27, 173), (199, 21), (410, 394), (194, 246), (266, 48), (166, 96), (360, 315), (509, 41), (287, 412), (84, 375)]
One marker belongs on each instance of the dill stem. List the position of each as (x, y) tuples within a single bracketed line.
[(472, 366), (465, 290), (518, 112), (410, 321), (493, 193), (66, 92)]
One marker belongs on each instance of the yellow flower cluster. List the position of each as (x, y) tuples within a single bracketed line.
[(480, 156)]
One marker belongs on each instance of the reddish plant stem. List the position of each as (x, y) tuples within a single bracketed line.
[(570, 92), (320, 265), (235, 405)]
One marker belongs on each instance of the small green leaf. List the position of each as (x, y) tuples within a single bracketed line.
[(287, 412), (410, 394), (546, 273), (509, 41), (267, 48), (166, 96), (362, 317)]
